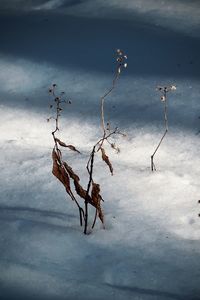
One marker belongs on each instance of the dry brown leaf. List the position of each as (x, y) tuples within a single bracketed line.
[(63, 172), (71, 173), (95, 192), (79, 189), (96, 198), (71, 147), (59, 172), (60, 142), (107, 161)]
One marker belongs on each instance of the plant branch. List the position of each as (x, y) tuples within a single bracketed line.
[(90, 170), (163, 98)]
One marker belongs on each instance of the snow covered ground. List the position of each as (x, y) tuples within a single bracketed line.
[(150, 248)]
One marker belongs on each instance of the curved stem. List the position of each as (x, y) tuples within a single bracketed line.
[(103, 99), (153, 167), (88, 189), (95, 218)]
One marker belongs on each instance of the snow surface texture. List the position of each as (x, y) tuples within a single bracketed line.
[(150, 248)]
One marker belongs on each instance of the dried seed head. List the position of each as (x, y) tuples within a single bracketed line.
[(163, 98), (159, 88), (173, 87), (107, 126), (166, 89), (119, 52), (119, 59)]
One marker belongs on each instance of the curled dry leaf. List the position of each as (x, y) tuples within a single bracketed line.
[(107, 161), (163, 98), (60, 142), (71, 147), (173, 87), (96, 198), (59, 172), (79, 189)]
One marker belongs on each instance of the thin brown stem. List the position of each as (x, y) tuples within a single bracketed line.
[(103, 100), (95, 218), (153, 167), (88, 188)]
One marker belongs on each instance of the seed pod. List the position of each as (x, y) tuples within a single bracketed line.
[(163, 98)]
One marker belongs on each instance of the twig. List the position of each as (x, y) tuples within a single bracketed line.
[(163, 98), (95, 218), (121, 57), (88, 187)]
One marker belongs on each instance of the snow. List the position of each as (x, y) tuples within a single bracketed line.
[(150, 247)]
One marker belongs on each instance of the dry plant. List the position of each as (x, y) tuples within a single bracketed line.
[(60, 167), (64, 172), (107, 133), (164, 91)]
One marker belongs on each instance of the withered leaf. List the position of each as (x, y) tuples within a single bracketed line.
[(60, 142), (107, 161), (79, 189), (95, 192), (96, 198), (59, 172), (64, 172), (71, 147)]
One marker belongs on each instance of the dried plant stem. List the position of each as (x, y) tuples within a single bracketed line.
[(90, 167), (103, 100), (105, 137), (90, 170), (153, 167), (95, 218), (58, 110)]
